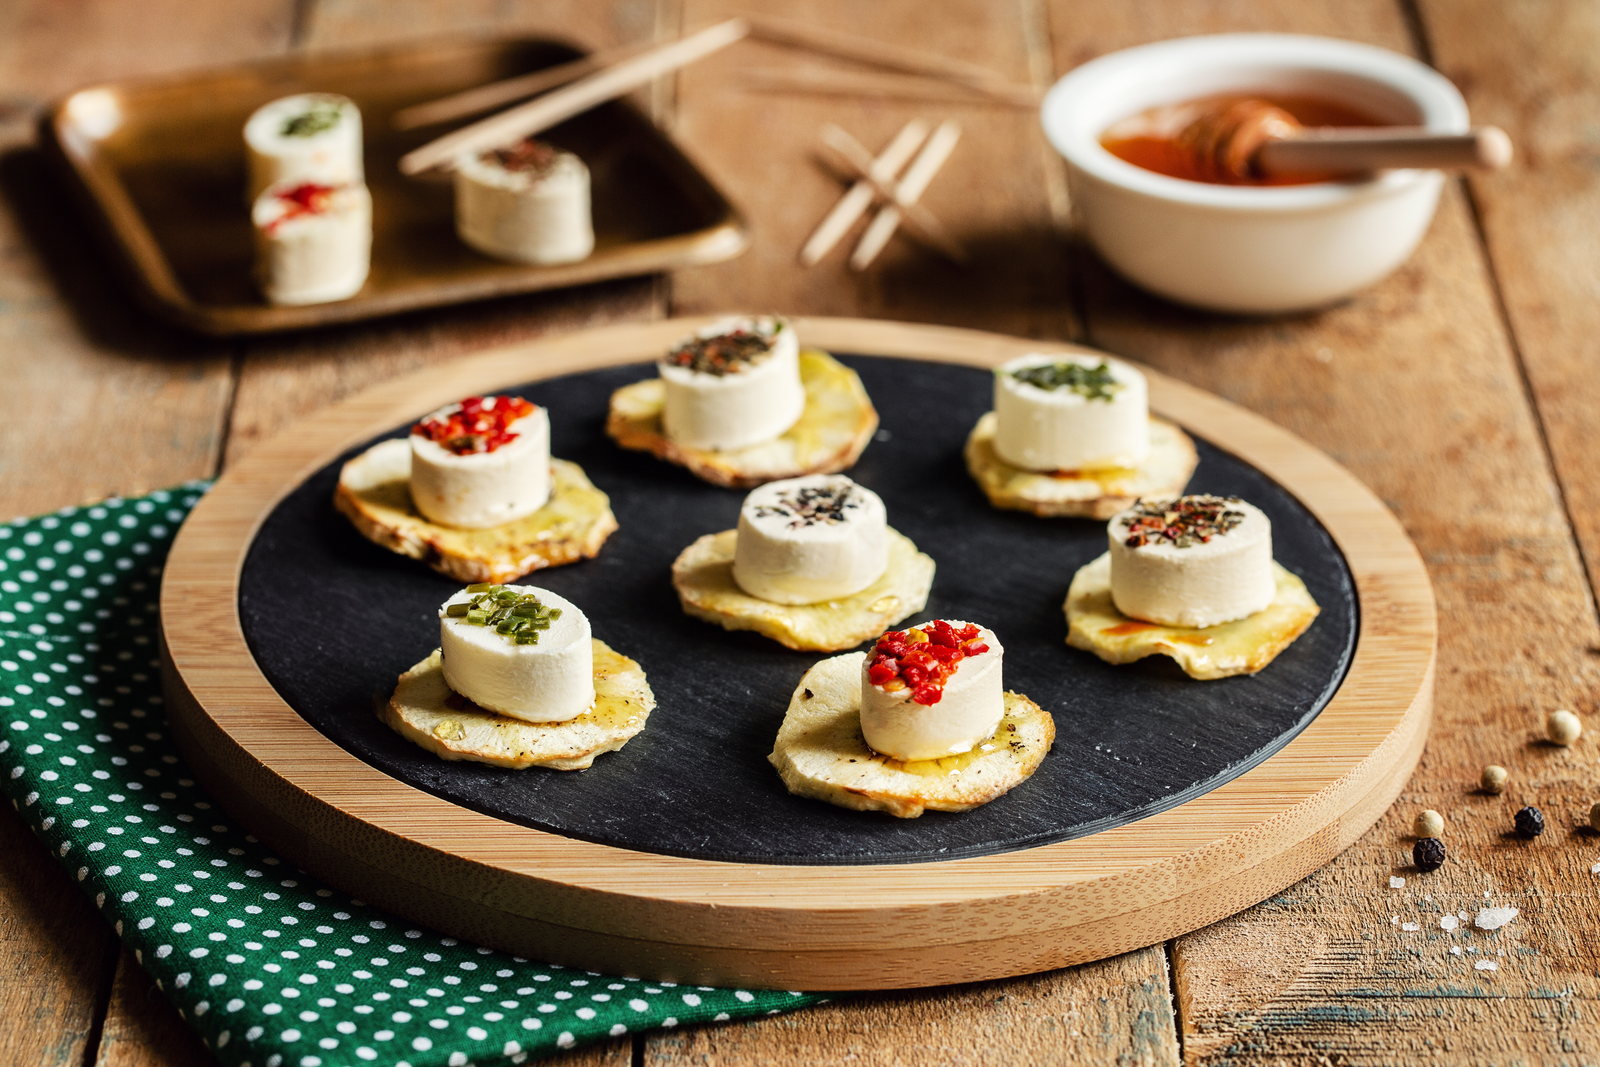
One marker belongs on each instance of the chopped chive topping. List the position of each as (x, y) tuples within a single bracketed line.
[(1091, 383), (319, 117), (522, 617)]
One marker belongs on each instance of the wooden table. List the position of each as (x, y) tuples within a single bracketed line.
[(1460, 389)]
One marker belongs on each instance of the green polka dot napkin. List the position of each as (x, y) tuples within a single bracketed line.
[(270, 967)]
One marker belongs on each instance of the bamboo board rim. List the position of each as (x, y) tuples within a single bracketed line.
[(675, 918)]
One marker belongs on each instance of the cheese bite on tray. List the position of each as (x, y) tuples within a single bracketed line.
[(519, 681), (313, 242), (527, 202), (813, 565), (309, 137), (920, 722), (740, 403), (1072, 435), (1193, 579), (474, 492)]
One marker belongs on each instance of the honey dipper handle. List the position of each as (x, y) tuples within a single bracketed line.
[(1361, 149)]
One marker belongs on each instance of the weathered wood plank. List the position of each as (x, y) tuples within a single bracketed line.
[(141, 1028), (1415, 387), (1114, 1011), (98, 399), (1531, 68), (995, 194)]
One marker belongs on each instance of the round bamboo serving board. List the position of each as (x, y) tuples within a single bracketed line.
[(887, 925)]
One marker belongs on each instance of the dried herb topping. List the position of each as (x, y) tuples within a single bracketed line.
[(526, 156), (477, 424), (1091, 383), (1184, 523), (732, 352), (814, 505), (319, 118), (519, 617), (922, 658)]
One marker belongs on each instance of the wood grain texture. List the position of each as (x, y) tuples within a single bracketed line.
[(994, 195), (681, 919), (142, 1029), (1112, 1011), (1415, 386)]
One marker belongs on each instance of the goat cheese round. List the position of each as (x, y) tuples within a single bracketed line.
[(1069, 412), (313, 242), (932, 691), (550, 679), (482, 462), (806, 540), (1193, 561), (733, 384), (312, 137), (528, 203)]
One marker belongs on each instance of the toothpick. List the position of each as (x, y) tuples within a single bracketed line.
[(915, 183), (918, 219), (855, 203)]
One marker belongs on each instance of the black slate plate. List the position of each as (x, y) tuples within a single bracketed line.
[(332, 620)]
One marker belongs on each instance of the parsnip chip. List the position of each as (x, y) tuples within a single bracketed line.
[(703, 577), (837, 423), (821, 754), (1081, 494), (1243, 647), (426, 712), (375, 494)]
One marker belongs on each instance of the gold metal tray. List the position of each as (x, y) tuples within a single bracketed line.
[(160, 164)]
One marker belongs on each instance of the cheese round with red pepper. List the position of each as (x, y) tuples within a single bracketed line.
[(733, 384), (811, 539), (1070, 412), (1193, 561), (481, 462), (932, 690), (313, 241)]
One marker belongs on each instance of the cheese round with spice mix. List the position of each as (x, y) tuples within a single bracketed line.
[(806, 540), (527, 202), (732, 385), (482, 462), (1194, 561), (932, 690)]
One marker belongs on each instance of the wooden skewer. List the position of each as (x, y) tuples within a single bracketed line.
[(898, 86), (911, 187), (878, 54), (854, 203), (918, 219), (1359, 149), (545, 111), (487, 97)]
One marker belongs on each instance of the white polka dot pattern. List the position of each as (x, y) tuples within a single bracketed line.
[(270, 967)]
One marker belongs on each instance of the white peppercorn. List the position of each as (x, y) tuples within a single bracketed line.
[(1494, 779), (1429, 824), (1562, 727)]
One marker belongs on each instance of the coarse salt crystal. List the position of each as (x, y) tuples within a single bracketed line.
[(1486, 965), (1394, 920), (1455, 950), (1396, 882), (1464, 915), (1448, 922), (1595, 869), (1494, 918), (1410, 927)]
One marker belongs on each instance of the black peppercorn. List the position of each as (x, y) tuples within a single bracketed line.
[(1428, 854), (1530, 822)]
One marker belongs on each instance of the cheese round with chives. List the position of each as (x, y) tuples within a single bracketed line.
[(528, 202), (1194, 561), (733, 384), (312, 137), (1069, 412), (313, 242), (518, 650), (932, 690), (806, 540), (482, 462)]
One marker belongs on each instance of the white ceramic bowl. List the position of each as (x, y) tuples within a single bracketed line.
[(1243, 248)]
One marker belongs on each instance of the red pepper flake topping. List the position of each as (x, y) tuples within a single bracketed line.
[(307, 198), (922, 658), (526, 155), (1185, 522), (724, 353), (477, 424)]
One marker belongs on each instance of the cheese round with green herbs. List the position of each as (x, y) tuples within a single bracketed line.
[(806, 540), (1070, 412), (310, 137), (518, 650)]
